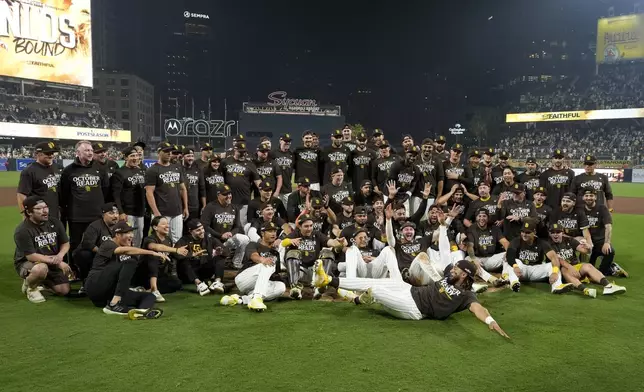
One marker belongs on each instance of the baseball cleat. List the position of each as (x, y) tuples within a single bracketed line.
[(516, 286), (217, 287), (157, 296), (296, 292), (592, 293), (479, 288), (34, 296), (562, 288), (497, 282), (320, 278), (230, 300), (144, 314), (366, 298), (613, 289), (203, 289), (346, 294), (618, 270), (257, 304), (317, 293)]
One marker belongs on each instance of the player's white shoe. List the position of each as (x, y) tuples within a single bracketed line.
[(366, 298), (618, 270), (203, 289), (346, 294), (562, 288), (257, 304), (320, 278), (217, 287), (613, 289), (230, 300), (157, 296), (296, 292), (592, 293), (516, 286), (479, 287), (35, 296)]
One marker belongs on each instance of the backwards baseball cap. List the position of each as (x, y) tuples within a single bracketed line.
[(358, 232), (47, 147), (109, 207), (555, 227), (590, 160), (518, 188), (468, 267), (31, 201), (529, 226), (286, 137), (558, 154), (365, 183), (569, 195), (122, 227), (193, 224), (268, 226), (407, 136), (127, 151), (304, 181), (206, 147), (531, 160), (348, 201), (590, 191), (475, 153), (223, 189), (266, 186), (457, 147), (304, 218), (483, 210), (99, 147), (408, 224), (165, 147)]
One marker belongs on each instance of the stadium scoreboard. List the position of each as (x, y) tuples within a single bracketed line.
[(620, 38)]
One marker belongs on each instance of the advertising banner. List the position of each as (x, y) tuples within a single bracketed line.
[(47, 40), (65, 133), (620, 38), (614, 175), (3, 164), (575, 115), (149, 162), (21, 164), (638, 175)]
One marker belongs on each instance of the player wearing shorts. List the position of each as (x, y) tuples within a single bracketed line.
[(41, 246), (436, 300), (574, 271)]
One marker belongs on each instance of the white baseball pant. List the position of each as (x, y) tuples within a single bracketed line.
[(243, 212), (394, 296), (176, 227), (237, 244), (415, 204), (376, 269), (493, 263), (284, 198), (246, 228), (256, 281), (536, 273), (136, 221)]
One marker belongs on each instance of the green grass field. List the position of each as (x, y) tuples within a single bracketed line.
[(559, 343)]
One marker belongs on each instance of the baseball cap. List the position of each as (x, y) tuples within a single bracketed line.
[(268, 226), (109, 207), (530, 160), (384, 144), (193, 224), (187, 151), (407, 136), (215, 157), (590, 160), (529, 226), (336, 170), (304, 181), (489, 151), (558, 154), (518, 188), (555, 227), (165, 146), (128, 150), (541, 190), (304, 218), (239, 138), (475, 153), (316, 203), (483, 210), (348, 201), (377, 132), (47, 147), (483, 183), (408, 224), (361, 136), (139, 144), (266, 186), (99, 147), (504, 155), (468, 267), (569, 195), (427, 141), (223, 189), (435, 207), (337, 133), (286, 137), (457, 147), (360, 210), (358, 232), (206, 147), (441, 140), (31, 201), (176, 149), (365, 183), (240, 146), (122, 227), (590, 191), (263, 147), (413, 150)]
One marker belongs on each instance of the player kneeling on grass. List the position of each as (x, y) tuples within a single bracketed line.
[(436, 300), (575, 272), (529, 255), (41, 246), (109, 280), (254, 281), (203, 262)]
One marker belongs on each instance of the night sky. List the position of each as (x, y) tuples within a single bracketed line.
[(426, 63)]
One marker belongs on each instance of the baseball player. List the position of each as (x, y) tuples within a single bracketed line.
[(206, 154), (102, 161), (406, 175), (337, 189), (600, 228), (496, 173), (203, 265), (474, 170), (572, 219), (574, 271), (360, 162), (436, 300), (265, 197), (377, 137), (505, 189), (486, 166), (213, 177), (432, 173), (268, 169), (306, 161), (454, 171), (41, 246), (544, 211), (254, 280), (345, 217), (364, 261), (297, 200), (41, 178), (223, 218), (591, 179), (109, 281), (284, 158), (515, 211), (240, 174), (439, 148), (166, 192), (485, 200), (399, 209), (486, 247), (533, 260), (347, 134), (195, 184), (530, 178), (375, 237), (268, 216), (127, 185), (324, 219), (556, 180)]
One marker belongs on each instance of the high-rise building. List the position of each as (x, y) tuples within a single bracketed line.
[(129, 99), (105, 27)]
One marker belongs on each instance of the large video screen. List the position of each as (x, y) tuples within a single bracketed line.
[(47, 40), (65, 133), (620, 38)]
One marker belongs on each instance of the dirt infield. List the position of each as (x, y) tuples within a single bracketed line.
[(623, 205)]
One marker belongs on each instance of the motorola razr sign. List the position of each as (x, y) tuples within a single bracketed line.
[(198, 128)]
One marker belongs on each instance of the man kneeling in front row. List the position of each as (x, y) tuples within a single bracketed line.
[(436, 300), (108, 282)]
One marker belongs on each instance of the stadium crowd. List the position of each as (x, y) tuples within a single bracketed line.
[(412, 230)]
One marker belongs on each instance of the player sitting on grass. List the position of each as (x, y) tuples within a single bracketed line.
[(254, 280), (575, 272), (529, 256), (436, 300), (108, 283)]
